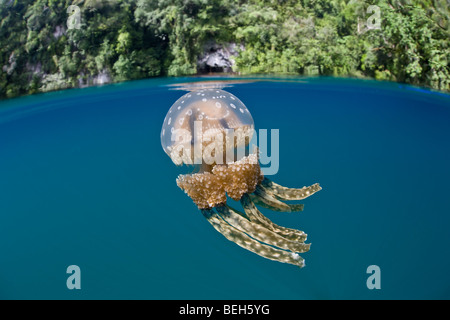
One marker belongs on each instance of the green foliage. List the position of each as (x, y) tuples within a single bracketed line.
[(321, 37), (39, 53), (132, 39)]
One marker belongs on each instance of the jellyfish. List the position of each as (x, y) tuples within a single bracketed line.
[(211, 129)]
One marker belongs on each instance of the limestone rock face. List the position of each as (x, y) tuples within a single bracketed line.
[(217, 57)]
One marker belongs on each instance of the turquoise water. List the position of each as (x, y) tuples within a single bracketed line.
[(84, 181)]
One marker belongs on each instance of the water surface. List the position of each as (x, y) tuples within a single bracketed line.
[(84, 181)]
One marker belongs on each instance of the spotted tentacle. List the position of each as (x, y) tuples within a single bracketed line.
[(284, 193), (259, 232), (246, 242), (265, 199), (256, 216)]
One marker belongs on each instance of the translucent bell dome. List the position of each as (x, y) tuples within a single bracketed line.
[(201, 115)]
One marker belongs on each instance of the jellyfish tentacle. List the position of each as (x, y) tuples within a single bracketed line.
[(256, 216), (264, 199), (243, 215), (284, 193), (292, 207), (259, 232), (252, 245)]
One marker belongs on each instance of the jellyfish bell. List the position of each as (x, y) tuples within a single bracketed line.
[(205, 127), (208, 127)]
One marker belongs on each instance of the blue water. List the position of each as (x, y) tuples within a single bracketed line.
[(84, 181)]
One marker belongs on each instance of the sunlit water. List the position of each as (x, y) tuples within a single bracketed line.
[(84, 181)]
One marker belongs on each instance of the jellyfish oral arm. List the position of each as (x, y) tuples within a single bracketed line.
[(284, 193), (242, 181), (210, 189), (245, 241)]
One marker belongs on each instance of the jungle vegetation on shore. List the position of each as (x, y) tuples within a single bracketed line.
[(122, 40)]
